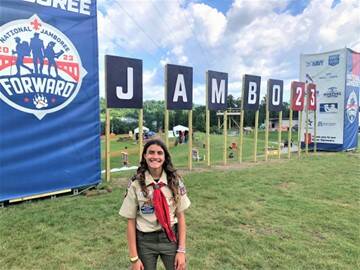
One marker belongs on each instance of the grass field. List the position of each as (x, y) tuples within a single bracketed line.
[(297, 214)]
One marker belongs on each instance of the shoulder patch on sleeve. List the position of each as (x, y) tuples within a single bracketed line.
[(131, 180), (182, 188)]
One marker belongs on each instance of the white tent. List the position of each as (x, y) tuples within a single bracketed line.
[(178, 128), (170, 134), (136, 130)]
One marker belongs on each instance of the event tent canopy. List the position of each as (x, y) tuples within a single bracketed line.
[(178, 128), (136, 130)]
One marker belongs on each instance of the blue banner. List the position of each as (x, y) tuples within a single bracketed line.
[(49, 97), (351, 102)]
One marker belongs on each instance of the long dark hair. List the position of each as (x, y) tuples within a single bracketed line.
[(171, 173)]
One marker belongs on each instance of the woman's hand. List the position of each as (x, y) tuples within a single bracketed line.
[(180, 261), (138, 265)]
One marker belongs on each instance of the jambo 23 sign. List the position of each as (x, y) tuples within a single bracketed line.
[(40, 69)]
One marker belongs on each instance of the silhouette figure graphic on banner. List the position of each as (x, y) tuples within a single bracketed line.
[(37, 48), (22, 49), (51, 55)]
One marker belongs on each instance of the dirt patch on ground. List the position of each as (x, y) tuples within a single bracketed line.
[(286, 185)]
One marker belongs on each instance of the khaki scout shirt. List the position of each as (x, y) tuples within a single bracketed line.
[(136, 205)]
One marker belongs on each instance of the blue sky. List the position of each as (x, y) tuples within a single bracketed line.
[(260, 37)]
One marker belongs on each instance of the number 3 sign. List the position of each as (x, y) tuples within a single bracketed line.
[(297, 94), (311, 97)]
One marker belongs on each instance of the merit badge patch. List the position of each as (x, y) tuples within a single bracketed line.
[(40, 69)]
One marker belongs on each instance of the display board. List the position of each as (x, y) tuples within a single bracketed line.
[(337, 78), (49, 97), (124, 85), (179, 87), (251, 85), (217, 90)]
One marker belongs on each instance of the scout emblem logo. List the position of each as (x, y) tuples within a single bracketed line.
[(40, 69), (334, 60), (352, 107)]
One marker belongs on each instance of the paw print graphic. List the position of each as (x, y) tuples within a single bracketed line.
[(40, 101)]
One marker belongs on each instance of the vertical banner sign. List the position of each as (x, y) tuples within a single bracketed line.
[(217, 89), (275, 104), (251, 92), (298, 96), (179, 83), (124, 89), (311, 108), (311, 97), (297, 104), (123, 84), (251, 101), (49, 97), (275, 94), (351, 100), (179, 96)]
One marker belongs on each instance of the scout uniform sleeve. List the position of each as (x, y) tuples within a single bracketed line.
[(130, 204), (184, 201)]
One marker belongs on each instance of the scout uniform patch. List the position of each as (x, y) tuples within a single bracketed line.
[(147, 208), (182, 188)]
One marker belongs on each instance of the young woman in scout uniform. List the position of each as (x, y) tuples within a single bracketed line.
[(154, 205)]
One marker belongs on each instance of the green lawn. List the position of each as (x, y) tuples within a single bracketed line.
[(297, 214)]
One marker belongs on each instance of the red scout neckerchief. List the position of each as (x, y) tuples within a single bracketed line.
[(162, 209)]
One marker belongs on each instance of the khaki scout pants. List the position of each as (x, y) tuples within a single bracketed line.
[(152, 245)]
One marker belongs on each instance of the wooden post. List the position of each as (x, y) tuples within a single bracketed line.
[(267, 129), (241, 133), (279, 134), (225, 137), (219, 122), (190, 139), (141, 136), (290, 132), (207, 137), (315, 127), (256, 133), (299, 133), (167, 128), (166, 121), (306, 130), (107, 145)]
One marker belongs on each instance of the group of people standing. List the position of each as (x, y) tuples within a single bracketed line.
[(38, 51)]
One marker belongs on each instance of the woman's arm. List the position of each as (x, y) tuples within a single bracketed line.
[(131, 237), (180, 261)]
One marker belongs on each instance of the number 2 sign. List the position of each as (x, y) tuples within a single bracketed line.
[(297, 94)]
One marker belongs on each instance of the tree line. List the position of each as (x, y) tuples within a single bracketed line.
[(124, 120)]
